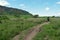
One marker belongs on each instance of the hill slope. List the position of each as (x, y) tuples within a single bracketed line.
[(12, 11)]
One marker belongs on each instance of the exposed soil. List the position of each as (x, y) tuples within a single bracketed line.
[(32, 32)]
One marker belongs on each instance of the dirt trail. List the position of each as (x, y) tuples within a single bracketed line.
[(16, 37), (32, 33)]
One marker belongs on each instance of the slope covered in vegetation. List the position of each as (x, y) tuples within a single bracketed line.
[(12, 11)]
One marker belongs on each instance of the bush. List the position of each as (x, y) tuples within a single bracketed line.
[(35, 16)]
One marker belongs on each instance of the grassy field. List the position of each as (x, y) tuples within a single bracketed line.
[(50, 31), (9, 28)]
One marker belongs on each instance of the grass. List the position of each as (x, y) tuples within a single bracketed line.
[(35, 20), (50, 31), (9, 28)]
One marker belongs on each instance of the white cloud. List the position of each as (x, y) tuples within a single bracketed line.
[(4, 3), (57, 2), (22, 6), (47, 8), (57, 14)]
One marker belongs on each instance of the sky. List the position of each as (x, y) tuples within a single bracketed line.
[(39, 7)]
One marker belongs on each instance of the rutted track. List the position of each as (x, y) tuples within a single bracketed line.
[(32, 32)]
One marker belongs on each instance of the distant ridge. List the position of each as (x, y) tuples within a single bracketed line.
[(12, 11)]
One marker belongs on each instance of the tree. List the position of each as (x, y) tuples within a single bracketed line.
[(53, 16), (36, 16)]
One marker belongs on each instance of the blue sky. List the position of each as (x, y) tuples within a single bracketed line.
[(40, 7)]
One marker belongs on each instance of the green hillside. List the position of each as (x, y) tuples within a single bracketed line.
[(12, 11)]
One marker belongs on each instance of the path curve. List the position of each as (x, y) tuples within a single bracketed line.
[(32, 33)]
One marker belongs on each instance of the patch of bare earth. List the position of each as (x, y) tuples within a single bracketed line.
[(32, 32)]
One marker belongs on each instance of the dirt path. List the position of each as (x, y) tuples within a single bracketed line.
[(32, 33)]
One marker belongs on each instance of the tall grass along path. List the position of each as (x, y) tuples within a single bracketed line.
[(32, 33)]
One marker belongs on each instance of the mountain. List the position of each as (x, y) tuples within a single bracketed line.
[(12, 11)]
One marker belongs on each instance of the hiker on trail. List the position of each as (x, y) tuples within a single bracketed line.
[(48, 19)]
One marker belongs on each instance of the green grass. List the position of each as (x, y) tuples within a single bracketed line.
[(11, 27), (34, 20), (25, 16), (50, 31)]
